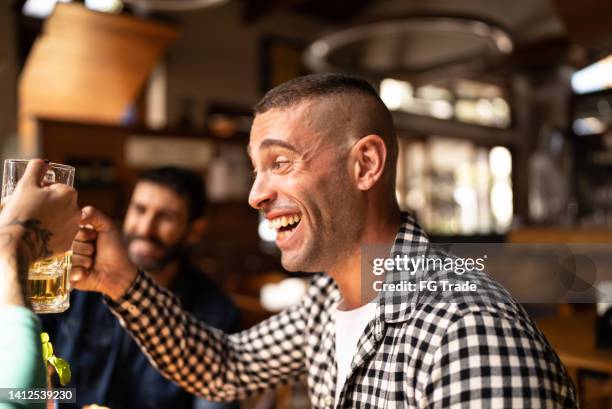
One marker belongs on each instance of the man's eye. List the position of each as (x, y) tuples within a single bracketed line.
[(280, 165)]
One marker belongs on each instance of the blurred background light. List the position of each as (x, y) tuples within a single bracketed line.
[(595, 77), (40, 8), (500, 162), (107, 6), (589, 126), (264, 231), (394, 93)]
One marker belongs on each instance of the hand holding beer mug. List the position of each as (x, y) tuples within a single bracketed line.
[(41, 200)]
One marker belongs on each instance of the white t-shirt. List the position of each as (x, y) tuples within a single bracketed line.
[(349, 328)]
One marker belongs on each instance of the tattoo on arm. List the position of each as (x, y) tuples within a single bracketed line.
[(35, 239), (17, 293), (31, 244)]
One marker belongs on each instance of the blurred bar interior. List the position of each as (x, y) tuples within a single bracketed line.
[(502, 111)]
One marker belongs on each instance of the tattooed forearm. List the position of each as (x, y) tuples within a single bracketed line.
[(16, 290), (35, 238), (14, 264), (21, 242)]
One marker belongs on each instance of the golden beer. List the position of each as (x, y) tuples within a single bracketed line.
[(47, 279), (48, 284)]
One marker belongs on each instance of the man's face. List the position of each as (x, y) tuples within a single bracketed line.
[(155, 227), (303, 186)]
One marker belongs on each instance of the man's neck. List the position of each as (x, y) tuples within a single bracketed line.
[(166, 276), (357, 288)]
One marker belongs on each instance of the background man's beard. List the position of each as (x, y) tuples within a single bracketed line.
[(171, 254)]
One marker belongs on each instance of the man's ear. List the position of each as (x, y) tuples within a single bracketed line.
[(370, 155), (197, 229)]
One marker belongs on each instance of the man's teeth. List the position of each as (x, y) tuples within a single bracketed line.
[(284, 221), (283, 233)]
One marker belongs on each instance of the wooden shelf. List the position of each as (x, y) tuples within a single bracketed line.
[(559, 235)]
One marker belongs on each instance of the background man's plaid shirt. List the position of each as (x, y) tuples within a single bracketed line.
[(481, 352)]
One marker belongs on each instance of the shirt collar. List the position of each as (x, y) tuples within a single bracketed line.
[(410, 240)]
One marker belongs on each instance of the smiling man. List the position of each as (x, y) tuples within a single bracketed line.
[(165, 216), (324, 152)]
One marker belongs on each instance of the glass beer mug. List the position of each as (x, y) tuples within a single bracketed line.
[(47, 279)]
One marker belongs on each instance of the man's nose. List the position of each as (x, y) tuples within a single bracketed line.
[(262, 193), (146, 225)]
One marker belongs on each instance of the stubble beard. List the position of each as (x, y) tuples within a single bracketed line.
[(329, 247)]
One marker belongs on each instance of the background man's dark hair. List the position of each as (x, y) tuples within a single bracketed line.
[(296, 90), (184, 182)]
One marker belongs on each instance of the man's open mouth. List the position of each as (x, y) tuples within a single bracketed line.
[(285, 225)]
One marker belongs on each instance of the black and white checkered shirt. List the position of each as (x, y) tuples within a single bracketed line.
[(482, 352)]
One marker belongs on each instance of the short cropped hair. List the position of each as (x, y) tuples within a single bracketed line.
[(310, 87), (185, 183), (299, 89)]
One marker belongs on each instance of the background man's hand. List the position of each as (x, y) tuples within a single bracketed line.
[(49, 215), (100, 261)]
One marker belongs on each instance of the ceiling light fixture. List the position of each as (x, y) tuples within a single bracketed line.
[(174, 5), (408, 45)]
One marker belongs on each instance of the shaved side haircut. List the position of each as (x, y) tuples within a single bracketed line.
[(369, 114)]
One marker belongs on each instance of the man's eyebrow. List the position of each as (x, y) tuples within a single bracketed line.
[(270, 142), (143, 205)]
